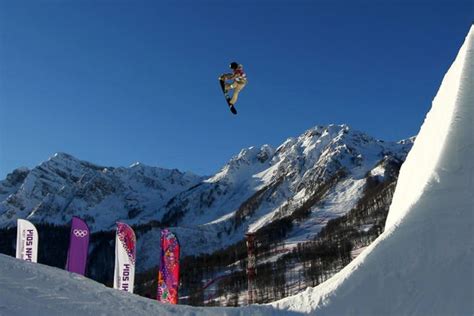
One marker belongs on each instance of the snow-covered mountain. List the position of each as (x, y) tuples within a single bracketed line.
[(326, 166), (64, 186), (325, 169), (308, 180)]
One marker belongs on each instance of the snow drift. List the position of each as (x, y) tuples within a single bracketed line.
[(423, 264)]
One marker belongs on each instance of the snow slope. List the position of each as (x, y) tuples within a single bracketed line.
[(423, 264), (36, 289)]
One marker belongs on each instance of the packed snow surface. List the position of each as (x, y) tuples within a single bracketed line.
[(36, 289)]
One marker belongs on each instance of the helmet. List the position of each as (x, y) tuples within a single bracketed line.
[(233, 65)]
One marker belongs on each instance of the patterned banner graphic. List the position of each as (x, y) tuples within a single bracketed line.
[(125, 254), (168, 276), (78, 246), (26, 241)]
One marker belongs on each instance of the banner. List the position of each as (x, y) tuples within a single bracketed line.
[(26, 241), (168, 275), (125, 254), (78, 246)]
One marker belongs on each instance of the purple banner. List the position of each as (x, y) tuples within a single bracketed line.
[(78, 247)]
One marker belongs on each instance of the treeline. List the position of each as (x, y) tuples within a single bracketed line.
[(366, 221), (52, 246)]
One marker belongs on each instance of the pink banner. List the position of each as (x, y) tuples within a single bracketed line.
[(168, 275)]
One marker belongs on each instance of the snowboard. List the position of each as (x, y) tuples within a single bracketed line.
[(227, 97)]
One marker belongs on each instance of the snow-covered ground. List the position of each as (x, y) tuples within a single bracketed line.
[(423, 264), (36, 289)]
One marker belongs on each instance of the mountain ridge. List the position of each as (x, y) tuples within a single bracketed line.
[(310, 179)]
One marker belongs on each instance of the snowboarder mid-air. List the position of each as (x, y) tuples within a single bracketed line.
[(237, 79)]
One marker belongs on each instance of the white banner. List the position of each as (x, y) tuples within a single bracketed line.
[(26, 241), (124, 271)]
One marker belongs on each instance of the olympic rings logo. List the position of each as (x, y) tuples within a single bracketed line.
[(80, 233)]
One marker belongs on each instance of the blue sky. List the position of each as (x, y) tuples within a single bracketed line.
[(115, 82)]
